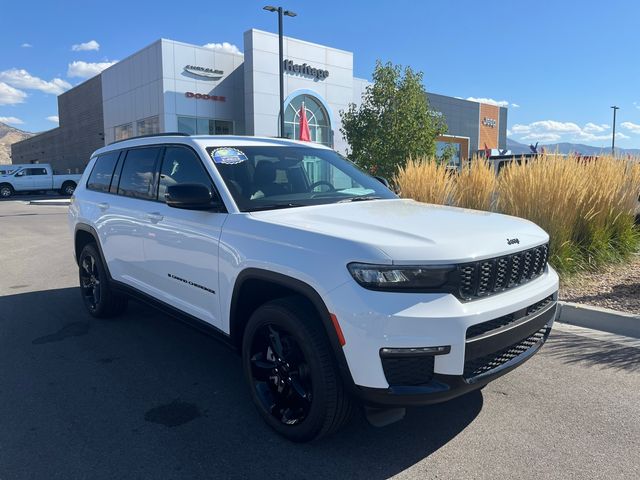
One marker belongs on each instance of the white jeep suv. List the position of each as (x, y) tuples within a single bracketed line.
[(335, 291)]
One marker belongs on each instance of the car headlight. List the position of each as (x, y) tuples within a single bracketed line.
[(413, 278)]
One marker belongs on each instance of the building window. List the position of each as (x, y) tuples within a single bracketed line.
[(204, 126), (448, 152), (148, 126), (123, 131), (317, 117)]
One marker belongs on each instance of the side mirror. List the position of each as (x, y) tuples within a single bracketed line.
[(192, 196), (383, 181)]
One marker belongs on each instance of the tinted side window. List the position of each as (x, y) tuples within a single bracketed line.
[(35, 171), (138, 173), (181, 165), (102, 172)]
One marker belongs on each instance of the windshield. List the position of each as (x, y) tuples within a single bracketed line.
[(270, 177)]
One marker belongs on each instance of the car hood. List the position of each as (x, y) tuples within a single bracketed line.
[(408, 232)]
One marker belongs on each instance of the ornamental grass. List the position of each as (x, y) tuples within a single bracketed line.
[(586, 205)]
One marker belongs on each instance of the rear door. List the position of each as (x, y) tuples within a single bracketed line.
[(125, 220), (181, 246), (42, 178)]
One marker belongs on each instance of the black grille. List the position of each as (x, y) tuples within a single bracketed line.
[(484, 327), (487, 277), (536, 307), (408, 371), (480, 365)]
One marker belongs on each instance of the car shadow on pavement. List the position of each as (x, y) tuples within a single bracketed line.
[(584, 350), (145, 396)]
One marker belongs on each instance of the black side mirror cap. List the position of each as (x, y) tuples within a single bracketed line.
[(383, 181), (192, 196)]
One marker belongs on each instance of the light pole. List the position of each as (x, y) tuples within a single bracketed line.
[(288, 13), (613, 137)]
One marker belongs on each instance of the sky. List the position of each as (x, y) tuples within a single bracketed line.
[(558, 65)]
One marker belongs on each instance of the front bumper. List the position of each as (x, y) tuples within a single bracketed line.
[(476, 348), (487, 357)]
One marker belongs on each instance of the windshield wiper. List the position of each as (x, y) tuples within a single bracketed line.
[(276, 206), (361, 198)]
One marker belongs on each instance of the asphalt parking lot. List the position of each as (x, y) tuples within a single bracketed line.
[(145, 396)]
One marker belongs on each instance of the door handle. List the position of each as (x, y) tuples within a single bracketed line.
[(103, 206), (154, 217)]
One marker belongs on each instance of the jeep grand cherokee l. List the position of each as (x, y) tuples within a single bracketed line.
[(335, 291)]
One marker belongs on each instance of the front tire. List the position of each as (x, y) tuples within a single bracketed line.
[(6, 191), (292, 373), (98, 296)]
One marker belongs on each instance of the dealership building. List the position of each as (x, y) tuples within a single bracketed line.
[(172, 86)]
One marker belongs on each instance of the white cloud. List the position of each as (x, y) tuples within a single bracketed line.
[(224, 47), (632, 127), (593, 128), (515, 105), (53, 118), (553, 131), (85, 69), (20, 78), (637, 105), (542, 137), (26, 45), (82, 47), (10, 95), (490, 101), (13, 120)]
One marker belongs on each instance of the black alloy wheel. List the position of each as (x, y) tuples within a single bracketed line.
[(90, 281), (291, 371), (281, 375), (98, 296)]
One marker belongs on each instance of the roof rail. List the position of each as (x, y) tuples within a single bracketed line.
[(165, 134)]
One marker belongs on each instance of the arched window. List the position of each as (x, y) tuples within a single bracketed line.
[(317, 116)]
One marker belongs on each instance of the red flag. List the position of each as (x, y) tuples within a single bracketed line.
[(487, 152), (305, 135)]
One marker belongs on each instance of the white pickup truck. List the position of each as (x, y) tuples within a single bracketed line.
[(36, 177)]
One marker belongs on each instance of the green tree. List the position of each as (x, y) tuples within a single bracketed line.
[(393, 122)]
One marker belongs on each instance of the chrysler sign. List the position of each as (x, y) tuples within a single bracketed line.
[(204, 71), (305, 70)]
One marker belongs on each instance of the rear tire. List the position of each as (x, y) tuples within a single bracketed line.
[(291, 371), (6, 191), (98, 296), (68, 188)]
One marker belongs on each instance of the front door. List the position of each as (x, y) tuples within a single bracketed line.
[(181, 246), (22, 180)]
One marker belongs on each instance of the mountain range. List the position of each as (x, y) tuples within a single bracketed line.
[(9, 135), (565, 148)]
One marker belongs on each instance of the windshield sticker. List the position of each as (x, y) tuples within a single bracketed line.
[(228, 156)]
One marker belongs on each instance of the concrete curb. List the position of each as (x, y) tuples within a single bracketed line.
[(59, 202), (597, 318)]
